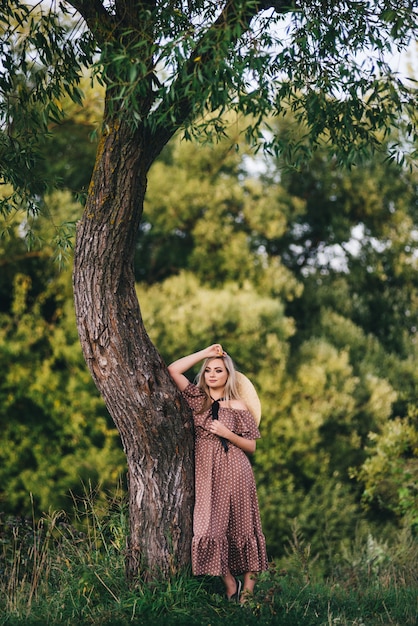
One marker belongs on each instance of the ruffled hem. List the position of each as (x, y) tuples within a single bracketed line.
[(216, 556), (209, 556), (247, 554)]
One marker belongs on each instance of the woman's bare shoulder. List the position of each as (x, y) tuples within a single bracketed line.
[(239, 405)]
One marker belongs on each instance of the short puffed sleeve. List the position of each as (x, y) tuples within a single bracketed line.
[(194, 397), (246, 426)]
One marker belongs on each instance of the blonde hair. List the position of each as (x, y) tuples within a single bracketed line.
[(231, 386)]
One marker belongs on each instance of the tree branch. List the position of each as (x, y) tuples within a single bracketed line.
[(97, 18), (178, 97), (279, 6), (101, 22), (129, 11)]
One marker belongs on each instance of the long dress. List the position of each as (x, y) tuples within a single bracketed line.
[(227, 533)]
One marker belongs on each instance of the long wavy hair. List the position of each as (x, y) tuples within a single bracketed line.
[(230, 391)]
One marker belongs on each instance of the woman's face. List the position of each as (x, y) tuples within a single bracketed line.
[(216, 374)]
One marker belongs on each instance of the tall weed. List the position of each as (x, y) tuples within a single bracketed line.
[(373, 562)]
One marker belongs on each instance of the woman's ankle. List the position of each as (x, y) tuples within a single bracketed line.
[(230, 585)]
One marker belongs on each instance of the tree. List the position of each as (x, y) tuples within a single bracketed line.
[(55, 432), (166, 66), (205, 212), (389, 474)]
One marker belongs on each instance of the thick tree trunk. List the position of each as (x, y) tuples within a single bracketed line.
[(154, 425)]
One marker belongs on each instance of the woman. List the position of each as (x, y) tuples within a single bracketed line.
[(227, 535)]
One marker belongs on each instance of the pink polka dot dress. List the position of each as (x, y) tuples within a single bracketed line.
[(227, 533)]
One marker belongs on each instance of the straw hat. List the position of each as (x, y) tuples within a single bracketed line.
[(249, 395)]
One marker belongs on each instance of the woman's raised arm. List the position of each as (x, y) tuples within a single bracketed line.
[(177, 368)]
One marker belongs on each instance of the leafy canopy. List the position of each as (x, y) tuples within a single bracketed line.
[(178, 64)]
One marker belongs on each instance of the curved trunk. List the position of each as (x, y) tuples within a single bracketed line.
[(154, 425)]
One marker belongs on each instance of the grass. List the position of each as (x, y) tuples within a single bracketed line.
[(60, 573)]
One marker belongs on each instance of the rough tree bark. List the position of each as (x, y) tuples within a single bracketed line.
[(156, 431)]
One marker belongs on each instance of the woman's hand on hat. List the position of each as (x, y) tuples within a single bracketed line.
[(215, 350)]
